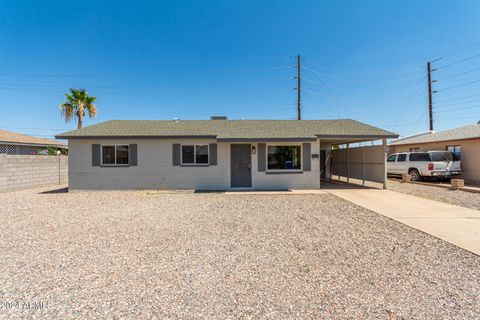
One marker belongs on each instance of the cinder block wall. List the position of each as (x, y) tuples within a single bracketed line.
[(29, 171)]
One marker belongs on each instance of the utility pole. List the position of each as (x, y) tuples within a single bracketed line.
[(430, 103), (299, 112)]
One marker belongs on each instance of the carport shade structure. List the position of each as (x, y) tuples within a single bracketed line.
[(315, 134)]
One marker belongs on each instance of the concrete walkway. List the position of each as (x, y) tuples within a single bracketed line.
[(457, 225)]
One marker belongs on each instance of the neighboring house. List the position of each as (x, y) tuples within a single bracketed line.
[(464, 142), (215, 154), (14, 143), (28, 162)]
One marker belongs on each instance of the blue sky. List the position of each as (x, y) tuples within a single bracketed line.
[(364, 60)]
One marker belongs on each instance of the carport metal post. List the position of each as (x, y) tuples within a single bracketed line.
[(363, 165), (59, 167), (348, 163), (320, 162), (384, 144)]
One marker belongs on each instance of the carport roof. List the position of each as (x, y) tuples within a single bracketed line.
[(230, 130)]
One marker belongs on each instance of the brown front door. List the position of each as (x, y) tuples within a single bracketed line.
[(240, 166)]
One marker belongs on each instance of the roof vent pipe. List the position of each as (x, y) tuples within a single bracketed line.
[(218, 118)]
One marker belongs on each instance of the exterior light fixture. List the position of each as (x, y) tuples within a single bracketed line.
[(254, 150)]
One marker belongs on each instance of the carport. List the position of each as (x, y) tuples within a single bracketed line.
[(347, 159)]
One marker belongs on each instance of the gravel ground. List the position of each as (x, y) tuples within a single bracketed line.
[(456, 197), (183, 256)]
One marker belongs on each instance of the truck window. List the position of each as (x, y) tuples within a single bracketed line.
[(402, 158), (441, 156), (392, 158), (420, 156)]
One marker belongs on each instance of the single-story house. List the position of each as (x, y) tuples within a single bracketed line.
[(217, 154), (463, 142), (14, 143)]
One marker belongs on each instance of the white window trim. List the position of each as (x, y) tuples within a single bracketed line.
[(115, 153), (195, 154), (284, 145)]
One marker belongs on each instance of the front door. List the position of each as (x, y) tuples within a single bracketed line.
[(240, 166)]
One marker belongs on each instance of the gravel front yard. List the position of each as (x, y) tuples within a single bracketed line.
[(183, 256), (456, 197)]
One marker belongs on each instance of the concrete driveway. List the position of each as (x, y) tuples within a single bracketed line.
[(457, 225)]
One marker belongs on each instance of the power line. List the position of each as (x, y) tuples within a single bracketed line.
[(460, 108), (458, 74), (264, 69), (414, 95), (62, 76), (366, 74), (148, 112), (463, 116), (315, 93), (142, 93), (456, 104), (456, 62), (461, 98), (456, 51), (360, 80), (267, 80), (458, 86), (66, 86), (326, 89), (359, 88)]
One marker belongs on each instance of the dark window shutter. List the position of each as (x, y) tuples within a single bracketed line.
[(133, 154), (176, 154), (95, 155), (307, 157), (262, 157), (212, 155)]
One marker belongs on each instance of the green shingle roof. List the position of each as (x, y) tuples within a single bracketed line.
[(229, 129)]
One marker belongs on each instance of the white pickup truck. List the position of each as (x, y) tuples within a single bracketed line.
[(437, 164)]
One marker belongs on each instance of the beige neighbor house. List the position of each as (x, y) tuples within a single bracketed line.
[(464, 142), (217, 154), (14, 143), (28, 162)]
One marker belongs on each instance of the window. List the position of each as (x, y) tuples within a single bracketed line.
[(195, 154), (392, 158), (441, 156), (402, 157), (421, 156), (122, 154), (414, 149), (115, 155), (457, 152), (284, 158)]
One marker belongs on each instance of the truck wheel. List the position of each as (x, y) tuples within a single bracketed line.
[(415, 175)]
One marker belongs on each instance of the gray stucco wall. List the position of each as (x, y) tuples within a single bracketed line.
[(29, 171), (155, 169)]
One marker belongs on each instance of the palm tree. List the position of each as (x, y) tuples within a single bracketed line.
[(77, 101)]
